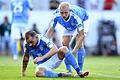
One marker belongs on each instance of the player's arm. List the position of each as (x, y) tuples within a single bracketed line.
[(79, 41), (80, 35), (53, 50), (25, 63), (53, 24), (50, 32), (25, 59)]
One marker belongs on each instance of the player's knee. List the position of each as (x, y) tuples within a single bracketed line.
[(65, 44), (63, 49)]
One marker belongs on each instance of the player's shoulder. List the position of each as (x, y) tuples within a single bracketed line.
[(43, 37), (72, 7), (56, 13), (73, 15)]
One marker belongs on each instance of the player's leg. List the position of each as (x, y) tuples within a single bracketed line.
[(45, 69), (69, 57), (42, 72), (67, 36), (15, 36), (81, 51), (80, 57), (63, 51), (65, 41)]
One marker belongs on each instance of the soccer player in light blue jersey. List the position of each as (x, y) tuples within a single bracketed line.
[(20, 15), (46, 56), (72, 18)]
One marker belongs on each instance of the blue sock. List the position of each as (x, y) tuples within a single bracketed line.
[(68, 66), (52, 74), (71, 59), (80, 58)]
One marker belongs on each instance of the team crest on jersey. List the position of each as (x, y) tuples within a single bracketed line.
[(80, 25), (41, 48), (73, 24), (39, 54)]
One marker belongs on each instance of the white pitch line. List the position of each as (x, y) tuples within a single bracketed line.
[(105, 75), (99, 74)]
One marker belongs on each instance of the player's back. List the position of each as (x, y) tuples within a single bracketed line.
[(20, 10), (79, 11)]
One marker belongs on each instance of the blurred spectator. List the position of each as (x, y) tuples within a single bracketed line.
[(94, 4), (81, 3), (53, 4), (108, 4), (5, 31), (35, 28)]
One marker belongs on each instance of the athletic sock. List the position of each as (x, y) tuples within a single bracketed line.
[(71, 59), (80, 57), (52, 74), (68, 66)]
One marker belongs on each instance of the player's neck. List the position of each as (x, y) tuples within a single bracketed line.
[(67, 18)]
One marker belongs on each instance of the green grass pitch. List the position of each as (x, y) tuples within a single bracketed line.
[(101, 68)]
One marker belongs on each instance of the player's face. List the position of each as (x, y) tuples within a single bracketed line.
[(65, 12), (32, 41)]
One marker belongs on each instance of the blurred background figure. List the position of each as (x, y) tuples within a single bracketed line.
[(20, 16), (108, 4), (81, 3), (35, 28), (53, 4), (107, 44), (5, 31)]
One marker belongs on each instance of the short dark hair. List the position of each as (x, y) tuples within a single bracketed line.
[(30, 33)]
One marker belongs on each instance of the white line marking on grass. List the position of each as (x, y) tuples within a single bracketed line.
[(106, 75)]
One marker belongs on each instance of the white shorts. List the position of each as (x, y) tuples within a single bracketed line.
[(17, 29), (53, 63), (72, 33), (68, 33)]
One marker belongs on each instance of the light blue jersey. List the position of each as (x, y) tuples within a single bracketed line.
[(43, 46), (20, 10), (76, 18), (81, 12)]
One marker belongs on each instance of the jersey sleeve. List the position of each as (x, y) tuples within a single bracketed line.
[(47, 42), (86, 16), (29, 4), (79, 23), (81, 12)]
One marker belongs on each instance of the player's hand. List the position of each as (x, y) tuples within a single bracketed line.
[(37, 59), (23, 74)]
